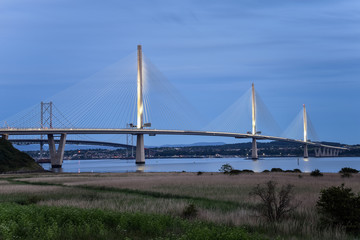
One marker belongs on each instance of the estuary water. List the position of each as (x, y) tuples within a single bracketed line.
[(208, 164)]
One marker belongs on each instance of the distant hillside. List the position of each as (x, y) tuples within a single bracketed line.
[(13, 160)]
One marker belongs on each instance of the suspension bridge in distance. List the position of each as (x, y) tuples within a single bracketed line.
[(141, 129)]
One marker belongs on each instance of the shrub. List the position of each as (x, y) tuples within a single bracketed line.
[(266, 171), (199, 173), (346, 175), (276, 170), (339, 207), (316, 173), (296, 170), (247, 171), (234, 171), (190, 211), (226, 168), (348, 170), (275, 203)]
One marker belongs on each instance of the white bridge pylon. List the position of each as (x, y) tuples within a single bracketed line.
[(306, 152), (140, 147), (254, 151)]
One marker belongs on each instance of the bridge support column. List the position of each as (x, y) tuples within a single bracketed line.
[(56, 156), (324, 152), (254, 151), (5, 136), (306, 152), (317, 152), (140, 149)]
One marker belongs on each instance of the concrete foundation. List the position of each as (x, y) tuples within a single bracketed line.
[(56, 156), (306, 151), (254, 151), (140, 150)]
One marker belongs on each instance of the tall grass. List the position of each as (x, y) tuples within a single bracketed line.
[(219, 198), (41, 222)]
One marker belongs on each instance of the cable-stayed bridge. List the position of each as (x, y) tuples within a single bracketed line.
[(139, 114)]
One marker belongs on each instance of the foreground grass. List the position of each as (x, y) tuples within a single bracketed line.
[(44, 222), (219, 199)]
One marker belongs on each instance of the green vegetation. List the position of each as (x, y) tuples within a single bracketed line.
[(316, 173), (226, 168), (13, 160), (275, 203), (43, 222), (163, 206), (340, 207)]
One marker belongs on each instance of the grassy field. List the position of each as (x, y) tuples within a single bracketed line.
[(222, 202)]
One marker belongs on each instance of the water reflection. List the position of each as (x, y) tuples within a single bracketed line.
[(140, 167), (207, 164)]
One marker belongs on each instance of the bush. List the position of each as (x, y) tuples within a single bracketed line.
[(275, 203), (348, 170), (316, 173), (276, 170), (226, 168), (199, 173), (296, 170), (190, 211), (234, 172), (339, 207), (247, 171), (266, 171), (346, 175)]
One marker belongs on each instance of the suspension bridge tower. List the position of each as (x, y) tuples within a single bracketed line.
[(46, 121)]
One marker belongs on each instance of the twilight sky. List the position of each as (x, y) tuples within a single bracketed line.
[(296, 52)]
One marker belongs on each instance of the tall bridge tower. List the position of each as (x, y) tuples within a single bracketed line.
[(46, 121), (306, 153), (254, 152), (140, 151)]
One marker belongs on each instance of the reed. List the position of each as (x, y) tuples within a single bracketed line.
[(219, 198)]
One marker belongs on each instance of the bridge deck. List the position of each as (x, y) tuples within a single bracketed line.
[(151, 132)]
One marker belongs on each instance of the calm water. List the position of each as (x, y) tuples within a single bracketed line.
[(209, 164)]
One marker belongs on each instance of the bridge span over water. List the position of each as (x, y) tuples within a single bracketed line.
[(331, 150), (141, 129)]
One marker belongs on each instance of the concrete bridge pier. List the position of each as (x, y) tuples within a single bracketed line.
[(140, 149), (317, 152), (56, 156), (306, 151), (5, 136), (254, 151)]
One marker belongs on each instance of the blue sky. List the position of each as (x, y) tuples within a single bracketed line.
[(296, 52)]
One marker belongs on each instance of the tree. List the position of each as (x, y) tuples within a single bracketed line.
[(226, 168), (275, 203)]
